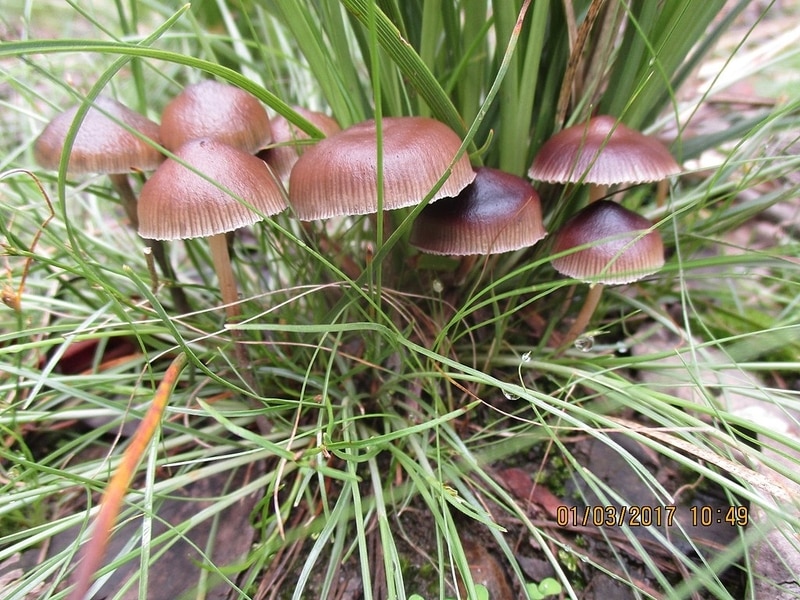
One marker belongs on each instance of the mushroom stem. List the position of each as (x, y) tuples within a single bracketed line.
[(227, 281), (230, 298), (585, 314), (597, 192), (661, 192), (178, 295), (122, 186), (465, 265)]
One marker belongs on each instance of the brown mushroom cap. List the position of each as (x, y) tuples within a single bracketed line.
[(177, 203), (497, 212), (219, 111), (339, 175), (621, 246), (102, 144), (285, 154), (602, 151)]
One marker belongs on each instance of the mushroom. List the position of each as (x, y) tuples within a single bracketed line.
[(339, 175), (112, 139), (613, 246), (213, 110), (204, 198), (602, 152), (616, 245), (497, 212), (288, 140)]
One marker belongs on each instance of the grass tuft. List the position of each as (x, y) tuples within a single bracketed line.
[(417, 432)]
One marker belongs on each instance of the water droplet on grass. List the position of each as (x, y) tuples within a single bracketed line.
[(510, 396), (438, 286), (584, 343), (15, 472), (526, 357)]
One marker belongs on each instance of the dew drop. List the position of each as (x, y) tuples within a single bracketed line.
[(526, 357), (622, 347), (438, 286), (584, 343), (510, 396)]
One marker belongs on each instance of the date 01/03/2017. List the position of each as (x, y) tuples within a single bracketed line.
[(647, 516)]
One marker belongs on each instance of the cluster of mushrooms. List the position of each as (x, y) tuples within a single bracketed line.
[(229, 166)]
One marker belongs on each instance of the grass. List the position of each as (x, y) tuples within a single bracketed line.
[(394, 396)]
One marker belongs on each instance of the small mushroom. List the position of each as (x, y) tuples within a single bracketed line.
[(614, 246), (602, 152), (497, 212), (214, 110), (112, 139), (339, 175), (205, 199), (288, 140)]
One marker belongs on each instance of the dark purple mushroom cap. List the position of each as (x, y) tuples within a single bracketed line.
[(602, 151), (214, 110), (339, 175), (102, 144), (621, 246), (497, 212), (177, 203)]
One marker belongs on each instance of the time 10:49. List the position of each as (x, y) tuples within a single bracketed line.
[(706, 516)]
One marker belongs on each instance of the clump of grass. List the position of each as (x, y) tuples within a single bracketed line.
[(390, 392)]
